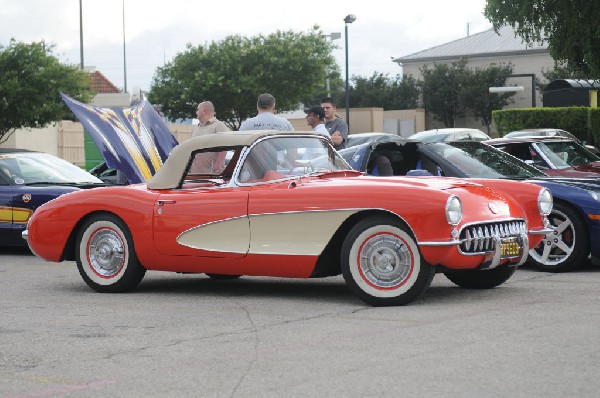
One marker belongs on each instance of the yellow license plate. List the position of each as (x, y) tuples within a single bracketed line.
[(510, 247)]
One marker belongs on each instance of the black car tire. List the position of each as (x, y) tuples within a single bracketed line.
[(381, 263), (105, 255), (480, 279), (567, 247)]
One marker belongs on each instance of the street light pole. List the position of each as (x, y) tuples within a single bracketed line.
[(81, 34), (124, 56), (332, 36), (348, 20)]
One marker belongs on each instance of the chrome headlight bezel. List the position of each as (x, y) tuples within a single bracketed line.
[(545, 202), (454, 210)]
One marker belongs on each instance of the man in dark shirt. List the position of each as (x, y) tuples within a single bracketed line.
[(337, 127)]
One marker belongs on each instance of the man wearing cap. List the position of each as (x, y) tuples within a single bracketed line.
[(266, 118), (315, 117)]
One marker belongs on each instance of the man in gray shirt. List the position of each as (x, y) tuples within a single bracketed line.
[(266, 118)]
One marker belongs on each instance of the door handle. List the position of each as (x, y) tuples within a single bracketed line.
[(165, 202)]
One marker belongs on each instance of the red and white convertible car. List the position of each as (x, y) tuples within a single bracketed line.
[(287, 205)]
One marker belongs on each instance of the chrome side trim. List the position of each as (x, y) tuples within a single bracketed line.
[(542, 231), (440, 243)]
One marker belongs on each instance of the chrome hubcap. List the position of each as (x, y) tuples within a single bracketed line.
[(557, 245), (106, 252), (385, 260)]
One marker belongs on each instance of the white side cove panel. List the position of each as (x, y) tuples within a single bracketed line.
[(228, 236), (301, 233), (293, 233)]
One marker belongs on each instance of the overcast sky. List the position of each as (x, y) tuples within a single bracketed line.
[(155, 31)]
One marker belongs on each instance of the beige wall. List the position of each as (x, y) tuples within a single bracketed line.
[(66, 139), (364, 120)]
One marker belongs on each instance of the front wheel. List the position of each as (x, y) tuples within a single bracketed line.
[(105, 255), (480, 279), (382, 265), (566, 247)]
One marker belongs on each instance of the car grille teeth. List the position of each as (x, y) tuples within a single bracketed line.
[(479, 238)]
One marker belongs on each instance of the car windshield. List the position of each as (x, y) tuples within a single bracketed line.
[(564, 154), (42, 168), (479, 160), (429, 136), (277, 158)]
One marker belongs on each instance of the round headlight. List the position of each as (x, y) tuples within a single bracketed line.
[(545, 202), (454, 210)]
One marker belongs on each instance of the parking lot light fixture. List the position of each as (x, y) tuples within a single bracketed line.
[(348, 20)]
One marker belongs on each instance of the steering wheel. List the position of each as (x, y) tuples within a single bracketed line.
[(577, 161)]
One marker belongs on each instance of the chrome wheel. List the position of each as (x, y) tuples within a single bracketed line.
[(385, 260), (106, 254), (381, 263), (566, 246)]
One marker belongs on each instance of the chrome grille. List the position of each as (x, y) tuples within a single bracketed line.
[(479, 238)]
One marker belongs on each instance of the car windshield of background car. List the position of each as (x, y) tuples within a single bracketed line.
[(42, 168), (564, 154), (479, 160), (284, 157)]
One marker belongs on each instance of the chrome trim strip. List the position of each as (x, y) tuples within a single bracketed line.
[(440, 243), (543, 231)]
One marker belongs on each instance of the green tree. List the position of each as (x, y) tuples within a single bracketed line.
[(570, 27), (441, 87), (381, 90), (232, 74), (31, 79), (475, 95)]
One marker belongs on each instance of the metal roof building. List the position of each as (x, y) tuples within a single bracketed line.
[(482, 50)]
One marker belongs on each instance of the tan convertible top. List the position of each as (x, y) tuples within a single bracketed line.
[(169, 175)]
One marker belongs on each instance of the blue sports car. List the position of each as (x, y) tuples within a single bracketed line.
[(575, 218), (28, 180)]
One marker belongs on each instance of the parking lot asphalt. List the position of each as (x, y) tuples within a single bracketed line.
[(189, 336)]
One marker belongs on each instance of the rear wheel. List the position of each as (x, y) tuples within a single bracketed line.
[(105, 255), (566, 247), (382, 265), (480, 279)]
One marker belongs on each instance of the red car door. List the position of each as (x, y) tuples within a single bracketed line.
[(205, 222)]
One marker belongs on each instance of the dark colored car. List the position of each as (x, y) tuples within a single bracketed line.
[(555, 156), (107, 174), (29, 179), (549, 132), (575, 218), (450, 134)]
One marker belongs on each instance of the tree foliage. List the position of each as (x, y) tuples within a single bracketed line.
[(381, 90), (441, 87), (31, 79), (232, 74), (475, 95), (451, 90), (570, 27)]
